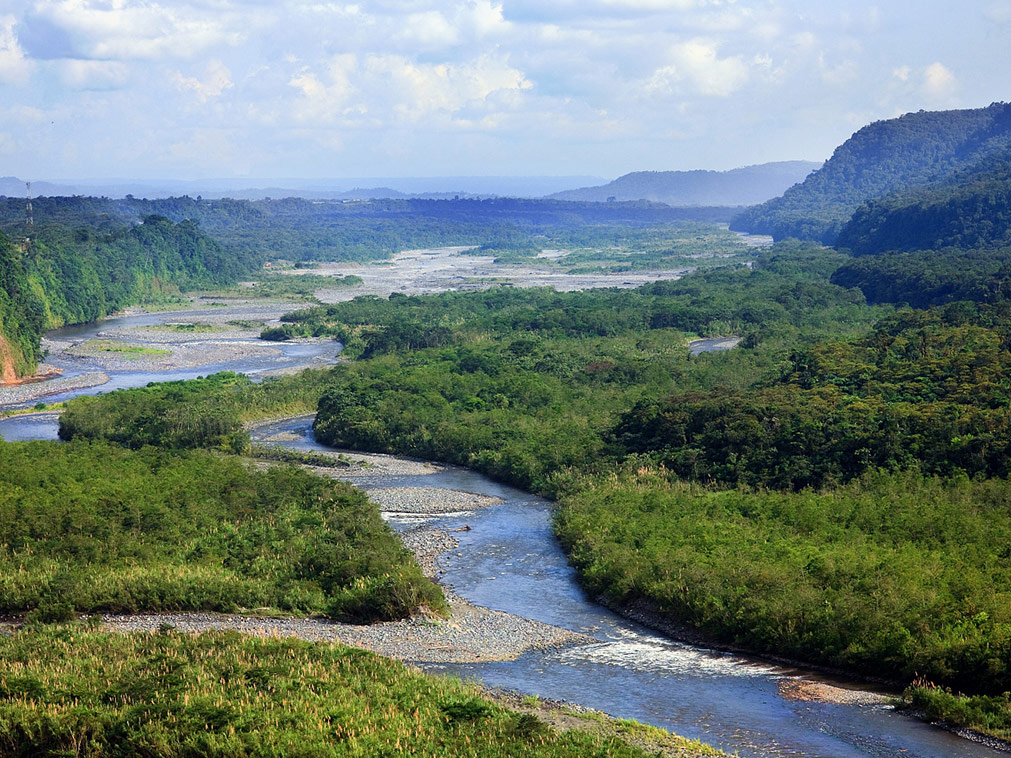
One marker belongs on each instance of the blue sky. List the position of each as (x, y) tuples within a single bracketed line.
[(193, 89)]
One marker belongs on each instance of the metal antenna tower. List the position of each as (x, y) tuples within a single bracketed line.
[(29, 218)]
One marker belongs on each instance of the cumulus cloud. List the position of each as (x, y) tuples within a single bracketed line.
[(308, 84), (216, 80), (398, 88), (132, 29), (14, 67), (939, 82), (902, 73), (325, 96), (697, 64), (429, 29)]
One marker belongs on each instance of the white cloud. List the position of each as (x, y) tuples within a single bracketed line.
[(88, 74), (137, 30), (484, 18), (696, 63), (394, 87), (14, 67), (419, 88), (217, 79), (902, 73), (429, 29), (323, 100), (939, 82), (840, 74)]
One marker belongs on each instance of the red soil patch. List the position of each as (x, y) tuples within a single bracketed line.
[(9, 374)]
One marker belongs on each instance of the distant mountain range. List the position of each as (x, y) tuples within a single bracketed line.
[(432, 188), (740, 186), (891, 158)]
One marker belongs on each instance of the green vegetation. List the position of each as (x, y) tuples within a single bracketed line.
[(287, 455), (884, 157), (198, 328), (174, 415), (72, 275), (272, 285), (91, 526), (120, 349), (834, 489), (987, 714), (90, 256), (968, 211), (202, 413), (877, 548), (925, 389), (895, 574), (317, 230), (68, 690), (930, 277), (624, 248)]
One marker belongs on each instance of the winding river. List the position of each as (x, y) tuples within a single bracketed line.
[(510, 561)]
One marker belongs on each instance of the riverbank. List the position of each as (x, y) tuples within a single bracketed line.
[(19, 394), (470, 634)]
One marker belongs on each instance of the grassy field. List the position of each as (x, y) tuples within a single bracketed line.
[(69, 690)]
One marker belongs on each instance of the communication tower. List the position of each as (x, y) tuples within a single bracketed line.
[(29, 218)]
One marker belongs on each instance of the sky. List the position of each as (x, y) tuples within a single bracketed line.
[(191, 89)]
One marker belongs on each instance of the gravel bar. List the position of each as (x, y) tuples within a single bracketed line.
[(470, 635), (428, 501), (26, 393)]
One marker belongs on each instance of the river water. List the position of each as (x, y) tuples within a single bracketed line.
[(509, 560)]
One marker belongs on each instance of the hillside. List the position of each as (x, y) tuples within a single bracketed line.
[(740, 186), (885, 157), (970, 210)]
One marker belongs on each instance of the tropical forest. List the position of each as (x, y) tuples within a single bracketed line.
[(272, 464)]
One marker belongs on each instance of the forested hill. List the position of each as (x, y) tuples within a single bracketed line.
[(882, 158), (74, 274), (740, 186), (971, 210)]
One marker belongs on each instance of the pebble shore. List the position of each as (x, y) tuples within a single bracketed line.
[(471, 634), (19, 394)]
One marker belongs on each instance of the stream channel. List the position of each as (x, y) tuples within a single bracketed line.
[(510, 561)]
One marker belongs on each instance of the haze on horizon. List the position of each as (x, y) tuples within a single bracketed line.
[(197, 89)]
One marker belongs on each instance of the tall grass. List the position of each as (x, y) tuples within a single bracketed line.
[(91, 526), (68, 691)]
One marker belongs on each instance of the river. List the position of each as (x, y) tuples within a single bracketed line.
[(509, 560)]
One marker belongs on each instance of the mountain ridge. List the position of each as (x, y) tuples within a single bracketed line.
[(747, 185)]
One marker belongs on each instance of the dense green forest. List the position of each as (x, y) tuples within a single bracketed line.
[(884, 157), (68, 275), (92, 526), (843, 453), (924, 389), (971, 210), (923, 278)]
